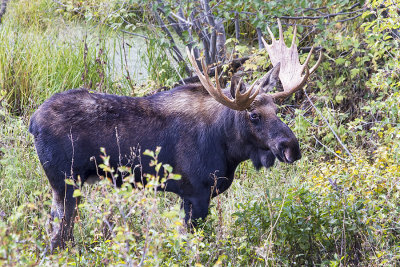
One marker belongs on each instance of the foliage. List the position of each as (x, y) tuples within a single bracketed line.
[(339, 205), (343, 212), (159, 66)]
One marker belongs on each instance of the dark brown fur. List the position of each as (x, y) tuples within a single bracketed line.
[(199, 137)]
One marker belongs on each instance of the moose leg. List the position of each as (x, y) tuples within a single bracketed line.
[(64, 208), (195, 208)]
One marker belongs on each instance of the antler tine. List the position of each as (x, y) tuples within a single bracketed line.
[(256, 91), (280, 31), (204, 78), (291, 71), (318, 62), (305, 64), (241, 101), (216, 92), (205, 71), (264, 42), (246, 95), (270, 34), (192, 60), (294, 37)]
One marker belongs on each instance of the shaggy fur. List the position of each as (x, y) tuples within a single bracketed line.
[(200, 138)]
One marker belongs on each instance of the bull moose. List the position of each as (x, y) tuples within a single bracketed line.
[(204, 133)]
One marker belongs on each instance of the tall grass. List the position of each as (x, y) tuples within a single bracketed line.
[(33, 67), (40, 56)]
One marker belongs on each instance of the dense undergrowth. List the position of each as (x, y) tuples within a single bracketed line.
[(338, 205)]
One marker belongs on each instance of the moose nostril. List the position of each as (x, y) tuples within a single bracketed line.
[(291, 155), (289, 151)]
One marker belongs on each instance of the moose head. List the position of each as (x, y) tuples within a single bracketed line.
[(270, 136)]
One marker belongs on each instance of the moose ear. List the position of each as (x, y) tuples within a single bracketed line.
[(270, 79), (234, 83)]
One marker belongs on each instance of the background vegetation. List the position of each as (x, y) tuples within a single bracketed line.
[(339, 205)]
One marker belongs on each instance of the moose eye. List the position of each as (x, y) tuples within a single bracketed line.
[(254, 117)]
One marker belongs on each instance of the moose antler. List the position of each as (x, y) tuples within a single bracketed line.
[(291, 71), (240, 102)]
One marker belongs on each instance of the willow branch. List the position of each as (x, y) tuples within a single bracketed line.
[(327, 16)]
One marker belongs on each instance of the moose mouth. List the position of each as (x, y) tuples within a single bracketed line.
[(281, 158), (266, 157), (262, 158)]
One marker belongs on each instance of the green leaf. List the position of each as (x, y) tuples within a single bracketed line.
[(69, 181), (174, 176), (149, 153), (340, 80), (77, 193), (158, 166), (354, 72), (340, 61), (167, 168), (339, 98)]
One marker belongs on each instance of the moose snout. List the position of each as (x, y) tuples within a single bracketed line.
[(289, 151), (291, 156)]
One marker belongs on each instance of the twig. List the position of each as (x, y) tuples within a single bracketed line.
[(171, 39), (334, 185), (2, 98), (327, 148), (343, 241), (307, 49), (237, 26), (173, 23), (329, 15), (324, 16), (276, 221), (128, 75), (134, 34), (259, 36), (343, 20), (177, 71), (330, 127), (180, 18)]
